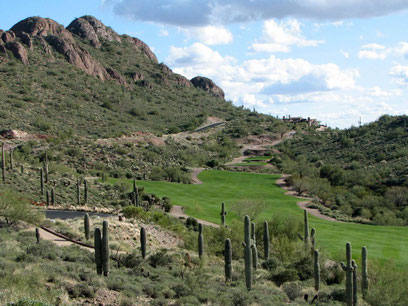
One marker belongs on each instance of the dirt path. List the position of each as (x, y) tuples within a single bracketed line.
[(281, 182), (177, 211), (194, 176), (46, 235)]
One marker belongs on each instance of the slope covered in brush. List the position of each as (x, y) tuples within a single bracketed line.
[(88, 80), (358, 172)]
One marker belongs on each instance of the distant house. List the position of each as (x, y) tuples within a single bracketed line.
[(310, 122)]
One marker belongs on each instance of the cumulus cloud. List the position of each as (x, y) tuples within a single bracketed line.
[(206, 12), (268, 76), (376, 51), (210, 35), (400, 74), (279, 37)]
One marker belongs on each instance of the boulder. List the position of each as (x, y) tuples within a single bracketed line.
[(25, 39), (208, 85), (18, 50), (92, 29), (116, 76), (8, 36)]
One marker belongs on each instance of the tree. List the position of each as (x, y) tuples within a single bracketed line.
[(14, 208), (252, 208)]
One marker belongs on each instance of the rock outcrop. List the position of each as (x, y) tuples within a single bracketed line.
[(208, 85), (18, 50), (140, 45), (25, 39), (92, 29), (37, 26), (8, 36), (77, 56)]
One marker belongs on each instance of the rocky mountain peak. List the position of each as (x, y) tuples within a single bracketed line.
[(208, 85), (38, 26), (92, 29)]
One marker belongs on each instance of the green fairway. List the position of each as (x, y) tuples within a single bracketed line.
[(204, 202), (258, 158), (250, 164)]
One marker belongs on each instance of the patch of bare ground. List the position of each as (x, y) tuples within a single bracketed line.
[(177, 211), (281, 182), (194, 176)]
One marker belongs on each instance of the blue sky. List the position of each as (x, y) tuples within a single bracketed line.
[(335, 60)]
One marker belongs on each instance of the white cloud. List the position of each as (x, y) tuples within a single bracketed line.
[(279, 37), (210, 35), (377, 51), (400, 74), (206, 12)]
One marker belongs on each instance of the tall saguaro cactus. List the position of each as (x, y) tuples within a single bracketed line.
[(86, 226), (353, 264), (11, 159), (105, 248), (313, 238), (247, 254), (52, 197), (316, 271), (85, 192), (364, 274), (143, 241), (253, 236), (348, 268), (47, 198), (135, 197), (266, 240), (228, 260), (98, 250), (42, 181), (254, 256), (223, 214), (200, 241), (37, 235), (78, 189), (3, 163), (306, 224)]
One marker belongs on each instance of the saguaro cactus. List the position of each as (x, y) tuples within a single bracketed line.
[(11, 159), (313, 238), (253, 233), (98, 250), (105, 248), (353, 264), (46, 166), (223, 214), (306, 224), (364, 274), (228, 260), (85, 192), (22, 168), (78, 192), (247, 254), (200, 241), (3, 163), (86, 226), (52, 197), (254, 256), (266, 240), (349, 275), (42, 181), (47, 198), (37, 234), (316, 270), (143, 241)]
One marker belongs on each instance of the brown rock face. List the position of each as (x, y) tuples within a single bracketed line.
[(137, 76), (138, 44), (8, 36), (208, 85), (90, 28), (77, 56), (116, 76), (25, 39), (182, 81), (37, 26), (18, 50)]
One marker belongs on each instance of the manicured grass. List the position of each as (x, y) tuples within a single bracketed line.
[(204, 202), (258, 158), (250, 164)]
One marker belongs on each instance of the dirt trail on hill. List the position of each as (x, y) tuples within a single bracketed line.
[(281, 182), (177, 211), (194, 176), (46, 235)]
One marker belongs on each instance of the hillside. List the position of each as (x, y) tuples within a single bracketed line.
[(359, 172), (88, 80)]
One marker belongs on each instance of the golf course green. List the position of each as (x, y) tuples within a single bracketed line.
[(204, 202)]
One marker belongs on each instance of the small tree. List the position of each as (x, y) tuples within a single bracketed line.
[(14, 208)]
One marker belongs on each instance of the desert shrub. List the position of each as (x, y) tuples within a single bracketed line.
[(293, 290), (271, 264), (286, 275), (160, 258), (132, 212)]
